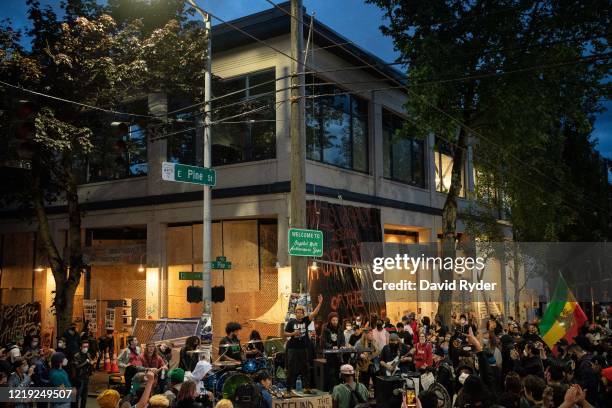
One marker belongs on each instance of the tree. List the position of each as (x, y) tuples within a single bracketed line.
[(501, 77), (87, 58)]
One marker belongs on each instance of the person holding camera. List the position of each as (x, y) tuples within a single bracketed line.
[(530, 362)]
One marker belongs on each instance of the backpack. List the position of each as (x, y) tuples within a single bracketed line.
[(356, 400), (249, 395)]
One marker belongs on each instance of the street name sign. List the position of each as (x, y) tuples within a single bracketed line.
[(190, 275), (188, 174), (221, 263), (304, 242)]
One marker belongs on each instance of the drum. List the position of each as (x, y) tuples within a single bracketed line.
[(228, 383), (210, 381), (250, 366)]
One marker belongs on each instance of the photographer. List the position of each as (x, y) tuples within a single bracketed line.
[(531, 361)]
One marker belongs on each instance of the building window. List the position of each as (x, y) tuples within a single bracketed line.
[(248, 137), (119, 152), (400, 236), (444, 169), (403, 156), (336, 127)]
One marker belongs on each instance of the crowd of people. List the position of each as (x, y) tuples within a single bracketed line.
[(500, 362), (497, 363)]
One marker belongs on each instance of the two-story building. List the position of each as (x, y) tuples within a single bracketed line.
[(363, 183)]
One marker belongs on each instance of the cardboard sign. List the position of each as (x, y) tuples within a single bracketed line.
[(321, 401)]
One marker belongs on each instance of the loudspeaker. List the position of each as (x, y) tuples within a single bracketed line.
[(194, 294), (383, 391)]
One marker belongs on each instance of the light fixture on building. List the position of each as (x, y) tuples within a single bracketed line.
[(314, 266), (141, 267), (277, 266), (39, 269)]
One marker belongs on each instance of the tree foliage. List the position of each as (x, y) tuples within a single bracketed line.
[(90, 58), (512, 79)]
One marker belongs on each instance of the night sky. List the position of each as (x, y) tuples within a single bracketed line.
[(355, 20)]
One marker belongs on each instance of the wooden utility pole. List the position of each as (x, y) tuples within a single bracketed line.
[(299, 271)]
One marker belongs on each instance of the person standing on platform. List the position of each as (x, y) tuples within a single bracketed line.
[(296, 329), (333, 339)]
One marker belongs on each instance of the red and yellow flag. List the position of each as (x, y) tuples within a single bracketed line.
[(563, 317)]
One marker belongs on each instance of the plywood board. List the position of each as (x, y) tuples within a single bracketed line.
[(240, 247)]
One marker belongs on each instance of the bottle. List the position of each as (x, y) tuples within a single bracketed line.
[(298, 384)]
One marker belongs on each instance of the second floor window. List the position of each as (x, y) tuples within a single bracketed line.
[(246, 137), (403, 156), (336, 127)]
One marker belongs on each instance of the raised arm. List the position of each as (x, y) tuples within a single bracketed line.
[(315, 312)]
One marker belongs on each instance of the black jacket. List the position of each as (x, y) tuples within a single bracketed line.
[(529, 365)]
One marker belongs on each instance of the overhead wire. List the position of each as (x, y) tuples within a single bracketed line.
[(451, 117)]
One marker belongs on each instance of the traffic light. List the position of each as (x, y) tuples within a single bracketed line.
[(25, 129), (194, 294), (217, 294)]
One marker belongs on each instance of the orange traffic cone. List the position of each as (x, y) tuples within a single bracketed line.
[(114, 367), (107, 363)]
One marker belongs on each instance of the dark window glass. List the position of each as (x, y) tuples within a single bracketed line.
[(336, 127), (247, 137), (403, 156)]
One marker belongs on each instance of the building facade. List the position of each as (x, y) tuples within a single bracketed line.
[(141, 231)]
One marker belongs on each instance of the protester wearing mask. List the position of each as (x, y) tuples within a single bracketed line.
[(33, 346), (348, 330), (6, 366), (83, 364), (357, 334), (59, 377), (404, 336), (381, 336), (21, 378), (13, 351), (395, 357), (73, 341)]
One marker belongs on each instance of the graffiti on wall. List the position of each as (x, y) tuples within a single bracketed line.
[(18, 320)]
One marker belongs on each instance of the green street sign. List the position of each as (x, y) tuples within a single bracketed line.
[(190, 275), (188, 174), (220, 264), (303, 242)]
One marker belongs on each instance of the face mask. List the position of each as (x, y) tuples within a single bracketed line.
[(462, 378), (349, 328), (34, 343), (462, 322), (65, 362), (84, 350), (61, 344)]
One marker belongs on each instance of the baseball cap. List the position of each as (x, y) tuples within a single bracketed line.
[(347, 369)]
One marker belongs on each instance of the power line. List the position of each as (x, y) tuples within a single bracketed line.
[(84, 105), (451, 117)]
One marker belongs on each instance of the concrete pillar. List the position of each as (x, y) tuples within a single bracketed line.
[(157, 274), (376, 149), (157, 148)]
